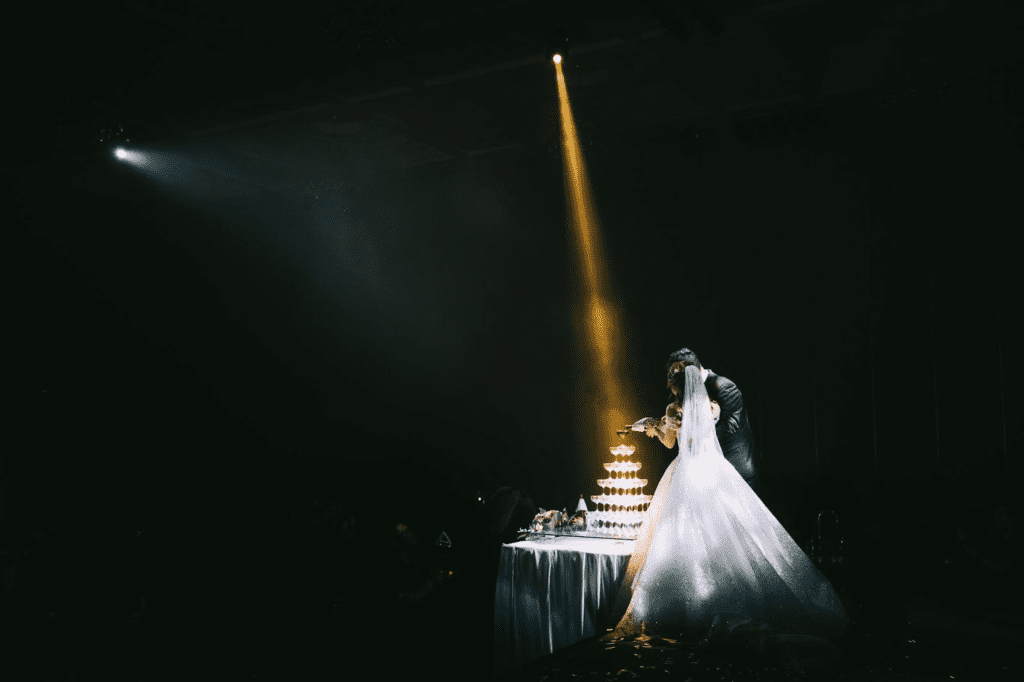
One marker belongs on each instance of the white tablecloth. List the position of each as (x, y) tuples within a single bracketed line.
[(553, 592)]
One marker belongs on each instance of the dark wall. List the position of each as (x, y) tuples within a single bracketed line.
[(159, 325)]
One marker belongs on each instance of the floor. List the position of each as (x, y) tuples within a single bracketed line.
[(921, 640)]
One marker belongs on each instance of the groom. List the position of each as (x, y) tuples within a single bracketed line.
[(732, 429)]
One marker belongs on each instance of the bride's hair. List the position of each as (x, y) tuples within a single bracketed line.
[(686, 356)]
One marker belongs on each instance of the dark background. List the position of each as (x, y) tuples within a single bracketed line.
[(344, 269)]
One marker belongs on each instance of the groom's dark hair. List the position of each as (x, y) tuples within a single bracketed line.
[(683, 355)]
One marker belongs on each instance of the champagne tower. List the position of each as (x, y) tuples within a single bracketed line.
[(621, 506)]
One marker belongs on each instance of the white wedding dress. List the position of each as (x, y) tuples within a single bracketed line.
[(710, 555)]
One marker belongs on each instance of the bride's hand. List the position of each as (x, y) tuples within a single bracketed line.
[(642, 425), (716, 411), (647, 425)]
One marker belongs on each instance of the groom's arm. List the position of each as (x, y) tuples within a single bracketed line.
[(730, 400)]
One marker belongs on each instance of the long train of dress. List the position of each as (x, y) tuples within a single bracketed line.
[(711, 554)]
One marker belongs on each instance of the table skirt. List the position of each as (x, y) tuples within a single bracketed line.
[(553, 592)]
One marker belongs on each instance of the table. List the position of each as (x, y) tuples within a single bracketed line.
[(553, 592)]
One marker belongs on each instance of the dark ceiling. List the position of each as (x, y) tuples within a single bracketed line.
[(460, 78)]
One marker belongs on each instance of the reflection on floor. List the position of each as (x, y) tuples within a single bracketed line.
[(923, 640)]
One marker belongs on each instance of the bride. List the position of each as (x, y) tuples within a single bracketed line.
[(710, 557)]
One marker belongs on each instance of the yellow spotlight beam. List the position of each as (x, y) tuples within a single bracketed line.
[(609, 405)]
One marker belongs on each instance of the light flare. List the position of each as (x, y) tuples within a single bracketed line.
[(602, 328)]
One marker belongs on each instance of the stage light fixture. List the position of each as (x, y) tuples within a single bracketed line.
[(556, 47), (120, 153)]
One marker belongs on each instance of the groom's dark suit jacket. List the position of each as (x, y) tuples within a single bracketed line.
[(733, 427)]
